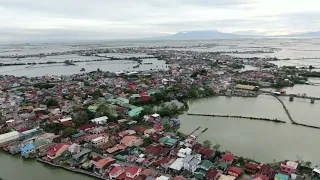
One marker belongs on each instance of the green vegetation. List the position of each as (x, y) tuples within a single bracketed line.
[(51, 102), (53, 128), (207, 143), (69, 131), (44, 86), (80, 118), (248, 83)]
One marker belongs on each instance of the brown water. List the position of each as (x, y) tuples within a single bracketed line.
[(17, 168), (263, 141)]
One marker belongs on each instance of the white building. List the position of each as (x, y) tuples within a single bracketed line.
[(100, 120), (99, 140)]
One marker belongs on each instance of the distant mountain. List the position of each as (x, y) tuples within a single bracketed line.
[(308, 34), (201, 35)]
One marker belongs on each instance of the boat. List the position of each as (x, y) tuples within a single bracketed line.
[(136, 66), (82, 69)]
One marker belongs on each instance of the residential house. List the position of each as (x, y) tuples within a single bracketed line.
[(251, 168), (100, 120), (103, 163), (183, 152), (223, 166), (280, 176), (228, 157), (135, 111), (177, 165), (179, 178), (316, 173), (226, 177), (128, 173), (116, 171), (265, 169), (74, 148), (288, 167), (213, 174), (162, 178), (87, 127), (57, 150), (96, 142), (203, 169), (129, 141), (260, 177), (207, 153), (235, 171), (168, 141), (122, 101), (82, 155), (191, 162), (32, 148)]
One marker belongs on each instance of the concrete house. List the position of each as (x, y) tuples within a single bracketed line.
[(191, 162)]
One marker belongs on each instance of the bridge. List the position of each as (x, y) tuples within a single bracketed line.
[(292, 95), (289, 115)]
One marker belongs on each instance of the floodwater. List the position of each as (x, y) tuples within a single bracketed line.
[(17, 168), (61, 69), (259, 140)]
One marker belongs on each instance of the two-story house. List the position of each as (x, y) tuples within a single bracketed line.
[(191, 162)]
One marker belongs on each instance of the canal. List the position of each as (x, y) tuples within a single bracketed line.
[(17, 168), (259, 140)]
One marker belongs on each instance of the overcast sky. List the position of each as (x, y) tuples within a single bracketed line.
[(36, 20)]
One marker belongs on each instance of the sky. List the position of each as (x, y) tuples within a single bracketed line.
[(56, 20)]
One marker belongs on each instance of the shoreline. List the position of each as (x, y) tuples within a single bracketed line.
[(71, 169), (239, 117)]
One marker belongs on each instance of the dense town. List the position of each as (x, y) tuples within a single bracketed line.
[(124, 125)]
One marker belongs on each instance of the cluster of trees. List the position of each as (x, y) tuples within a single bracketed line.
[(51, 102), (252, 83), (280, 83), (310, 74), (236, 66), (59, 129), (96, 94), (43, 85)]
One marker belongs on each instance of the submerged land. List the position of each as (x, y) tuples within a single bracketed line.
[(126, 124)]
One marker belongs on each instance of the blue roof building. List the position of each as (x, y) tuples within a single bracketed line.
[(281, 177), (26, 149)]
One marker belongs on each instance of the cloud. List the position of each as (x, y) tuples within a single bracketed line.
[(118, 19)]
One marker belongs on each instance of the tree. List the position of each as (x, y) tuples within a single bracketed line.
[(80, 118), (217, 146), (96, 94), (51, 102), (53, 128), (207, 143), (240, 160), (68, 132), (147, 141), (308, 164), (167, 127)]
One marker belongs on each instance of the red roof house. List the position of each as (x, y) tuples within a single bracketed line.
[(228, 157), (265, 169), (212, 174), (260, 177), (235, 171), (251, 168)]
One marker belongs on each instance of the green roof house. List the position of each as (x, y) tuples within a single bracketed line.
[(122, 101), (203, 168), (135, 111), (92, 108), (168, 141)]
